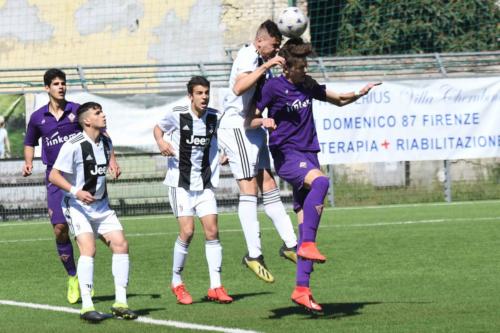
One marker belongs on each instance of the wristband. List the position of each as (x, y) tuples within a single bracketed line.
[(73, 191), (358, 93)]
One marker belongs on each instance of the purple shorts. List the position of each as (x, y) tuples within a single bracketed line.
[(54, 202), (293, 166)]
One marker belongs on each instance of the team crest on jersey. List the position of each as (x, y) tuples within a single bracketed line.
[(211, 129), (42, 122), (319, 209), (303, 165), (71, 117)]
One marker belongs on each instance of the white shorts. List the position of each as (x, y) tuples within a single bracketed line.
[(96, 218), (191, 203), (246, 149)]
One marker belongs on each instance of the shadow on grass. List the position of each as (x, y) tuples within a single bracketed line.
[(236, 297), (145, 312), (105, 298), (330, 310)]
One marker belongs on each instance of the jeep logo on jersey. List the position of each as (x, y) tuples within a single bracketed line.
[(99, 170), (195, 140)]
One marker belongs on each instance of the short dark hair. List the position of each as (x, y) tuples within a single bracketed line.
[(271, 28), (51, 74), (197, 81), (86, 107), (295, 51)]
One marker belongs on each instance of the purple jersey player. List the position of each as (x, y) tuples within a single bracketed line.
[(55, 123), (294, 146)]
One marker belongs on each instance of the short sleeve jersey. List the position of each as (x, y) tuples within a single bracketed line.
[(84, 163), (290, 105), (195, 165), (237, 107), (54, 133)]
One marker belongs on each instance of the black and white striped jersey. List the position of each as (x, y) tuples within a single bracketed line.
[(195, 165), (84, 163)]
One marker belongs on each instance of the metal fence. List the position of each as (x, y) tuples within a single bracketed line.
[(171, 78), (140, 189)]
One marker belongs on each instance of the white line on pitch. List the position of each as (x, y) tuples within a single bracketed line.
[(356, 225), (145, 320), (169, 216)]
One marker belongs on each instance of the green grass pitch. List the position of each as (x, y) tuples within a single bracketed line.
[(408, 268)]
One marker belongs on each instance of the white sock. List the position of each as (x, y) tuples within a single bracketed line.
[(85, 272), (213, 252), (120, 267), (247, 212), (276, 212), (180, 255)]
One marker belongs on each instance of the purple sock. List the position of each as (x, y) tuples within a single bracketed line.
[(304, 267), (66, 255), (313, 207)]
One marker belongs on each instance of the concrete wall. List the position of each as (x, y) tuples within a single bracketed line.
[(45, 33)]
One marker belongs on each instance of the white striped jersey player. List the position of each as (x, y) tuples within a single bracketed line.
[(84, 163), (195, 166)]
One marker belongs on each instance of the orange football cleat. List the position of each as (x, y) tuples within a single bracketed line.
[(302, 296), (219, 295), (308, 250), (183, 297)]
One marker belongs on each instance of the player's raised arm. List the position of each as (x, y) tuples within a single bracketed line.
[(246, 80), (341, 99)]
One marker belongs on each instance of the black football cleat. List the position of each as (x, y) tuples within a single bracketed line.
[(93, 316)]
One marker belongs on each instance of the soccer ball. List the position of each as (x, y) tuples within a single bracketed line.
[(292, 22)]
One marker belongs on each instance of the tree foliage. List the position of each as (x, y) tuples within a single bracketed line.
[(372, 27)]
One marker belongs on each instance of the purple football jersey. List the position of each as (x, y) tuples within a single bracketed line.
[(53, 132), (290, 105)]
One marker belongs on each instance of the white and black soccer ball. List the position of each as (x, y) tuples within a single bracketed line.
[(292, 22)]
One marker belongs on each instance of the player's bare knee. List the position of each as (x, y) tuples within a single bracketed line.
[(268, 184), (211, 233), (87, 250), (186, 233), (119, 246), (248, 186)]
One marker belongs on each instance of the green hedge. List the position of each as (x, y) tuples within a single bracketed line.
[(374, 27)]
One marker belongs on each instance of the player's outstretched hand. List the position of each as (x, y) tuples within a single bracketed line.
[(166, 148), (269, 124), (366, 89), (27, 170), (85, 197)]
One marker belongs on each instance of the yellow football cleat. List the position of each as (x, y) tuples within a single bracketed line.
[(122, 311), (258, 266), (289, 253), (73, 289)]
